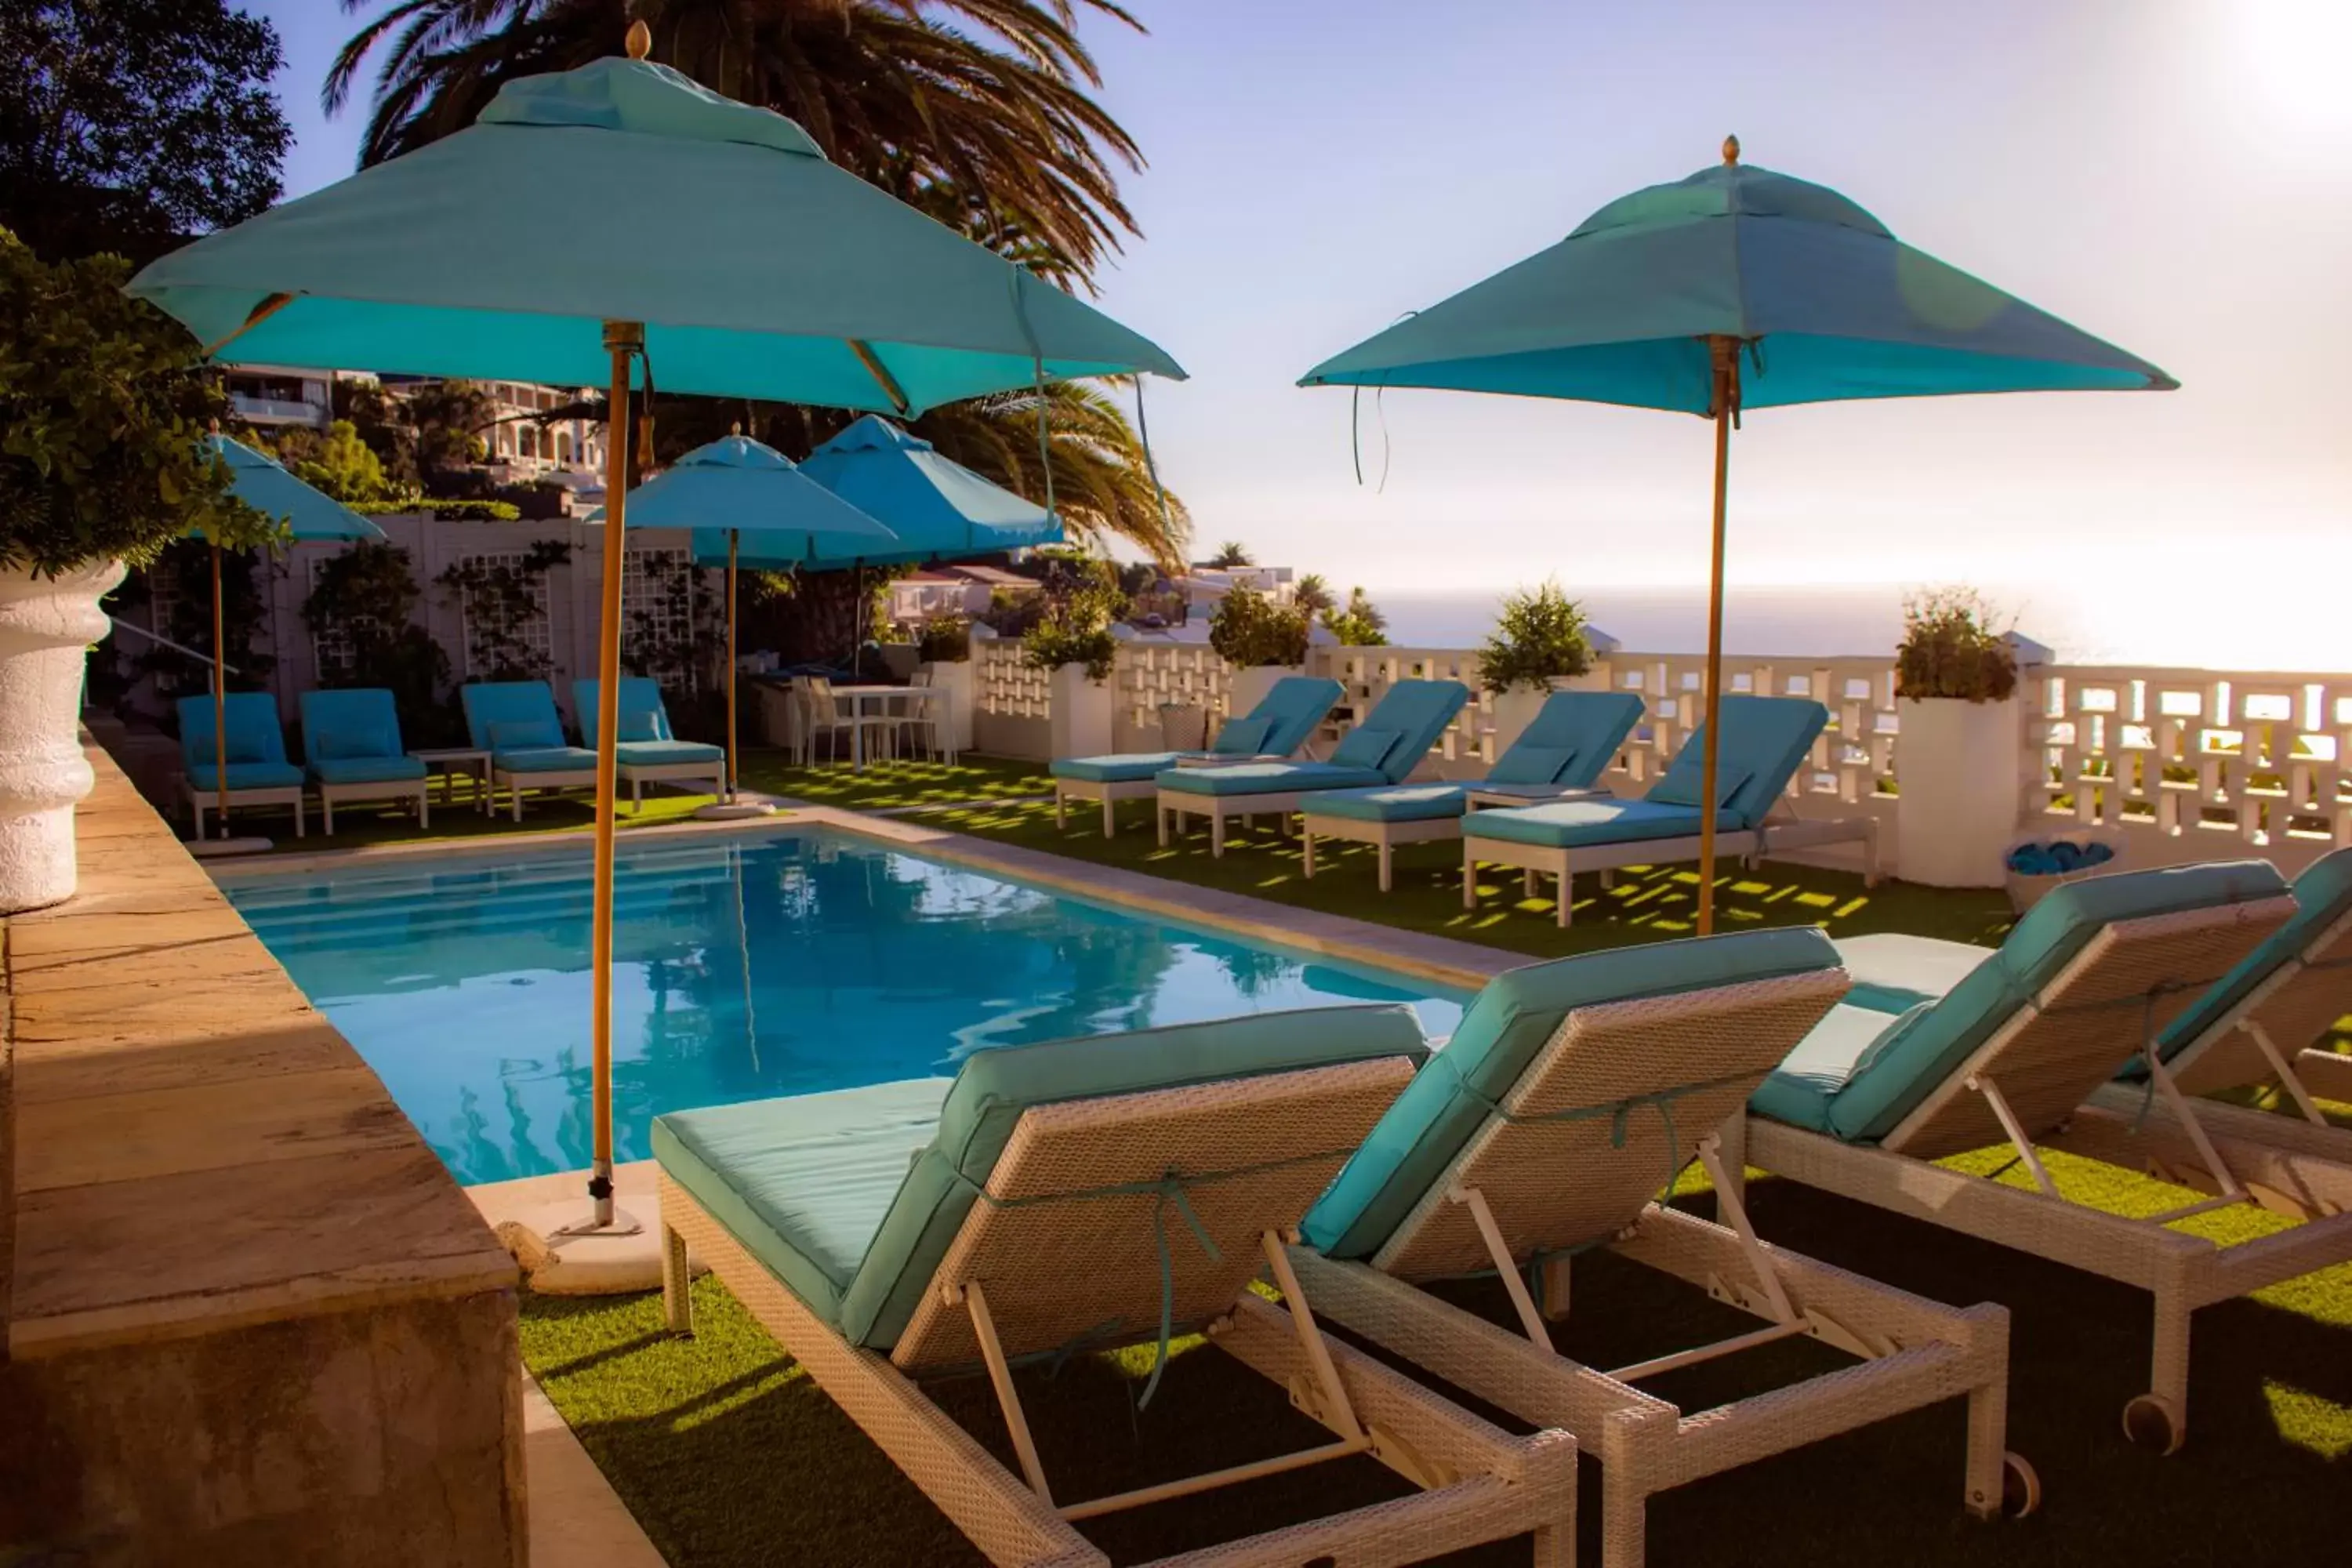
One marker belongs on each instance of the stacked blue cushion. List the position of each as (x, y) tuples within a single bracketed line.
[(852, 1198), (1920, 1008)]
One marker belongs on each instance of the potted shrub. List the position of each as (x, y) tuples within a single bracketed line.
[(1073, 643), (102, 412), (1539, 639), (1261, 642), (943, 652), (1961, 746)]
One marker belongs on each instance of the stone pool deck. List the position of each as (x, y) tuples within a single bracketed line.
[(249, 1316)]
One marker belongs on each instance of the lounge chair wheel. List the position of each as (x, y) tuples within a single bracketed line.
[(2155, 1423), (2021, 1486)]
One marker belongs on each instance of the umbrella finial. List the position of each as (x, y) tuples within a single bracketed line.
[(213, 425), (1730, 151), (736, 428), (641, 39)]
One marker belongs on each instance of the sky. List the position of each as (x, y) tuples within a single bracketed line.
[(2168, 175)]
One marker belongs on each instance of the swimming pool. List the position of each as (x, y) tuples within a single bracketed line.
[(746, 966)]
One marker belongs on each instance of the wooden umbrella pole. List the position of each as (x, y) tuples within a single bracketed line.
[(622, 340), (1724, 352), (220, 702), (732, 782)]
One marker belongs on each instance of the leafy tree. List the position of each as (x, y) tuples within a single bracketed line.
[(102, 417), (1250, 629), (447, 416), (1312, 592), (1232, 553), (383, 420), (1539, 635), (1360, 624), (126, 125), (336, 463), (360, 611), (928, 99)]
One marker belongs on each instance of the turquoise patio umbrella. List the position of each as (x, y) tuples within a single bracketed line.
[(736, 486), (594, 219), (1734, 287), (261, 482), (936, 509)]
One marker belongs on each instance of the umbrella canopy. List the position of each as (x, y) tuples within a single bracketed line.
[(618, 213), (1825, 301), (623, 191), (935, 508), (737, 484), (261, 482), (1737, 286)]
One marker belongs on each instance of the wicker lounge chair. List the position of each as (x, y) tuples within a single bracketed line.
[(1765, 740), (648, 752), (1946, 1048), (1380, 752), (1569, 1094), (516, 722), (1091, 1192), (259, 773), (351, 748), (1283, 720), (1570, 742)]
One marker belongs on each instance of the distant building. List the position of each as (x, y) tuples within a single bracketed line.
[(1204, 587), (276, 397), (953, 591), (528, 450)]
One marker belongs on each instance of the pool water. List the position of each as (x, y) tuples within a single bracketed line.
[(745, 968)]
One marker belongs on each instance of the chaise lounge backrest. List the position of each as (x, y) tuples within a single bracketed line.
[(253, 733), (511, 716), (349, 724), (1414, 714), (1048, 1163), (1291, 708), (642, 709), (1569, 1092), (2295, 1011), (1571, 740), (2086, 978), (1765, 741)]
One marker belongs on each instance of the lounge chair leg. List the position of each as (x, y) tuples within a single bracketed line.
[(1553, 1548), (1388, 866), (327, 815), (1988, 1436), (1567, 897), (1552, 1273), (1306, 864), (515, 790), (1110, 817), (1528, 882), (1160, 814), (1061, 808), (1625, 1519), (678, 1297), (424, 810), (297, 816), (1217, 835), (1469, 881), (2167, 1375)]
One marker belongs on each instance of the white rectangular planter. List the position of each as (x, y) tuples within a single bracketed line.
[(955, 679), (1958, 774), (1514, 710), (1082, 713)]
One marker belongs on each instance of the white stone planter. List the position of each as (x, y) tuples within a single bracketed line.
[(1082, 713), (47, 623), (955, 721), (1514, 710), (1245, 688), (1959, 771)]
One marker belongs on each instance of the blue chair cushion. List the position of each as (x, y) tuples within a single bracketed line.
[(546, 759), (803, 1183), (248, 775), (1122, 767), (1419, 710), (1296, 704), (642, 724), (1801, 1088), (1590, 724), (1269, 778), (2323, 895), (1684, 780), (525, 735), (1391, 803), (994, 1087), (348, 745), (1567, 824), (367, 769), (1243, 737), (1525, 764), (1418, 1139), (1919, 1046), (1365, 747), (667, 753), (1765, 740), (253, 733), (493, 702), (349, 721)]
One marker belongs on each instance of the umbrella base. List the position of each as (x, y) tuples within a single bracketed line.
[(566, 1252), (735, 810), (208, 848)]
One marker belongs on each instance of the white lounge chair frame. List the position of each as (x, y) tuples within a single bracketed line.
[(636, 775), (518, 780), (202, 800), (375, 789), (1777, 837), (1384, 837), (1915, 1352), (1220, 809), (1006, 1288), (2029, 1078), (1110, 792), (2299, 1000)]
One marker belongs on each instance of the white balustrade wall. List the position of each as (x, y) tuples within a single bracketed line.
[(2178, 765)]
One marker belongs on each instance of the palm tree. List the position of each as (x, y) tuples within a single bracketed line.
[(971, 95), (1313, 592), (1232, 553)]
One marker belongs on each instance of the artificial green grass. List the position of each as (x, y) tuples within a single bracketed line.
[(1646, 903)]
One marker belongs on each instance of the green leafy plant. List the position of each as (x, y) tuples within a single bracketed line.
[(102, 417), (1250, 630), (179, 581), (360, 612), (1951, 649), (1312, 592), (673, 629), (335, 463), (1360, 624), (502, 600), (944, 639), (446, 511), (1541, 635), (1081, 602)]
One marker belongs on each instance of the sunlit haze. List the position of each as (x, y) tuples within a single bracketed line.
[(2169, 174)]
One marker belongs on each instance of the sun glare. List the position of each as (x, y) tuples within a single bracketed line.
[(2295, 49)]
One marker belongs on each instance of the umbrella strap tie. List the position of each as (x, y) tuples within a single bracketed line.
[(1619, 1113), (1143, 433)]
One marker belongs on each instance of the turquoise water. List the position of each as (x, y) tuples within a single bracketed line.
[(745, 968)]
